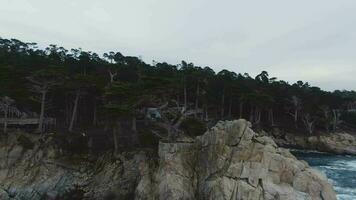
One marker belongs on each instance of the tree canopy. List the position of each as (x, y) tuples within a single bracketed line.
[(83, 89)]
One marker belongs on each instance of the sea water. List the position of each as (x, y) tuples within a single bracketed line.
[(340, 170)]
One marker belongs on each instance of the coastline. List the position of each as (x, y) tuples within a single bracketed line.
[(230, 160), (333, 143), (340, 170)]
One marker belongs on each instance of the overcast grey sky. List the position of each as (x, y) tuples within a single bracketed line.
[(310, 40)]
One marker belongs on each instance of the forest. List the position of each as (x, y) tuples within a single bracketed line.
[(121, 101)]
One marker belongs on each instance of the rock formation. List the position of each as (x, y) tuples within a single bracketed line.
[(336, 143), (42, 172), (229, 161)]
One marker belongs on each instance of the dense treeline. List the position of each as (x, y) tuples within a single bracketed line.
[(112, 92)]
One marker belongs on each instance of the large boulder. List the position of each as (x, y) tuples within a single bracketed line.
[(230, 161)]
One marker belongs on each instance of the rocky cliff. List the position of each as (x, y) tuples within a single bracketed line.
[(229, 161)]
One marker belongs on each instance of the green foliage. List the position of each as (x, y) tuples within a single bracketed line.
[(193, 127), (118, 87), (147, 136), (349, 117), (71, 142), (121, 99), (13, 83)]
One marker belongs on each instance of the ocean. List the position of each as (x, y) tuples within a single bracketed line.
[(340, 170)]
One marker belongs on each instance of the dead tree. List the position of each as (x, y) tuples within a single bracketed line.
[(172, 125), (295, 108), (309, 123), (271, 116), (336, 118), (42, 82), (6, 108), (75, 109), (112, 75), (326, 117)]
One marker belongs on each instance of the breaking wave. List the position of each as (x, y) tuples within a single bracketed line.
[(340, 170)]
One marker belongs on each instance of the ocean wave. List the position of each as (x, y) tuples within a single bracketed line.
[(345, 197), (345, 193), (338, 167), (351, 164), (340, 170)]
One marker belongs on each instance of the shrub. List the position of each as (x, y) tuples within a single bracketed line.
[(148, 138), (193, 127)]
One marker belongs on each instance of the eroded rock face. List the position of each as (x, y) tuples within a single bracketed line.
[(337, 143), (42, 173), (229, 161)]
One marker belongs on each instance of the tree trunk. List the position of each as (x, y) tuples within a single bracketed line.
[(257, 116), (134, 124), (67, 111), (327, 124), (222, 104), (271, 117), (230, 108), (43, 101), (178, 102), (197, 101), (75, 108), (241, 104), (336, 117), (112, 76), (134, 130), (114, 134), (310, 127), (251, 114), (185, 95), (296, 118), (6, 115), (206, 116), (95, 114), (309, 123)]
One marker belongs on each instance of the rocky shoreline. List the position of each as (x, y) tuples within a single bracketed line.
[(229, 161), (334, 143)]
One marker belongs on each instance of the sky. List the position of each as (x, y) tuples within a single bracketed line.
[(309, 40)]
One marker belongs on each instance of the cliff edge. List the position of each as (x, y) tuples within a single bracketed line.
[(229, 161)]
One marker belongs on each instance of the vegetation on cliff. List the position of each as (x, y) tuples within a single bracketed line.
[(131, 101)]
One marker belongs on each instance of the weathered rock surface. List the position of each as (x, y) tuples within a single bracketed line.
[(229, 161), (337, 143), (42, 173)]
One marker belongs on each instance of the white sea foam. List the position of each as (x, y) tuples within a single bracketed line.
[(345, 197), (340, 170), (351, 165), (345, 193)]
